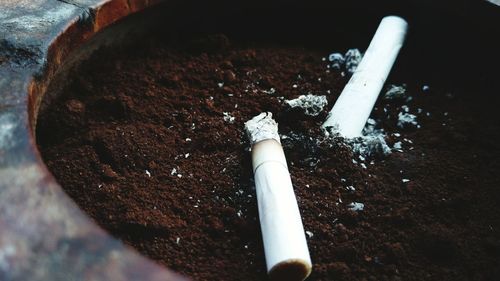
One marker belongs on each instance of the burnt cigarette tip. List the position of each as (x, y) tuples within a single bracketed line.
[(290, 270), (262, 127)]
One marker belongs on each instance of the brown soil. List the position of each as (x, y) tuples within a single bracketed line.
[(158, 108)]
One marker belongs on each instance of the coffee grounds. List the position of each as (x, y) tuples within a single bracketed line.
[(143, 139)]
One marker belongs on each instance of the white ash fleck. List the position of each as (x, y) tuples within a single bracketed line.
[(186, 155), (363, 165), (337, 61), (262, 127), (406, 119), (309, 234), (407, 140), (405, 180), (228, 118), (395, 92), (177, 240), (425, 88), (175, 172), (295, 86), (311, 104), (356, 206), (371, 122), (350, 188), (398, 146), (148, 173), (343, 180), (220, 85), (271, 91), (188, 139), (352, 59)]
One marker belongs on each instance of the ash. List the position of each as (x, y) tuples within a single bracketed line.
[(395, 92), (356, 206), (372, 143), (406, 119), (337, 61), (262, 127), (228, 118), (349, 61), (311, 104), (352, 59)]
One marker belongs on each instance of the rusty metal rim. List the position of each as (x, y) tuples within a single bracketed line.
[(43, 234)]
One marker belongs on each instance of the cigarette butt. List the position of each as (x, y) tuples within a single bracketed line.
[(285, 245), (354, 105)]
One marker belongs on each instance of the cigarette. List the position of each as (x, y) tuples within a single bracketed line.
[(285, 246), (354, 105)]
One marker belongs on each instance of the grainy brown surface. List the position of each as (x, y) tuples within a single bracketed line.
[(159, 109)]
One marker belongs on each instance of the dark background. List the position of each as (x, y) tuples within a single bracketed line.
[(454, 42)]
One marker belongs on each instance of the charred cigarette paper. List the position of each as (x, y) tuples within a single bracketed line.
[(285, 246), (354, 105)]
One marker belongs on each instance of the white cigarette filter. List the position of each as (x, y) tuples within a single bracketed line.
[(354, 105), (285, 246)]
